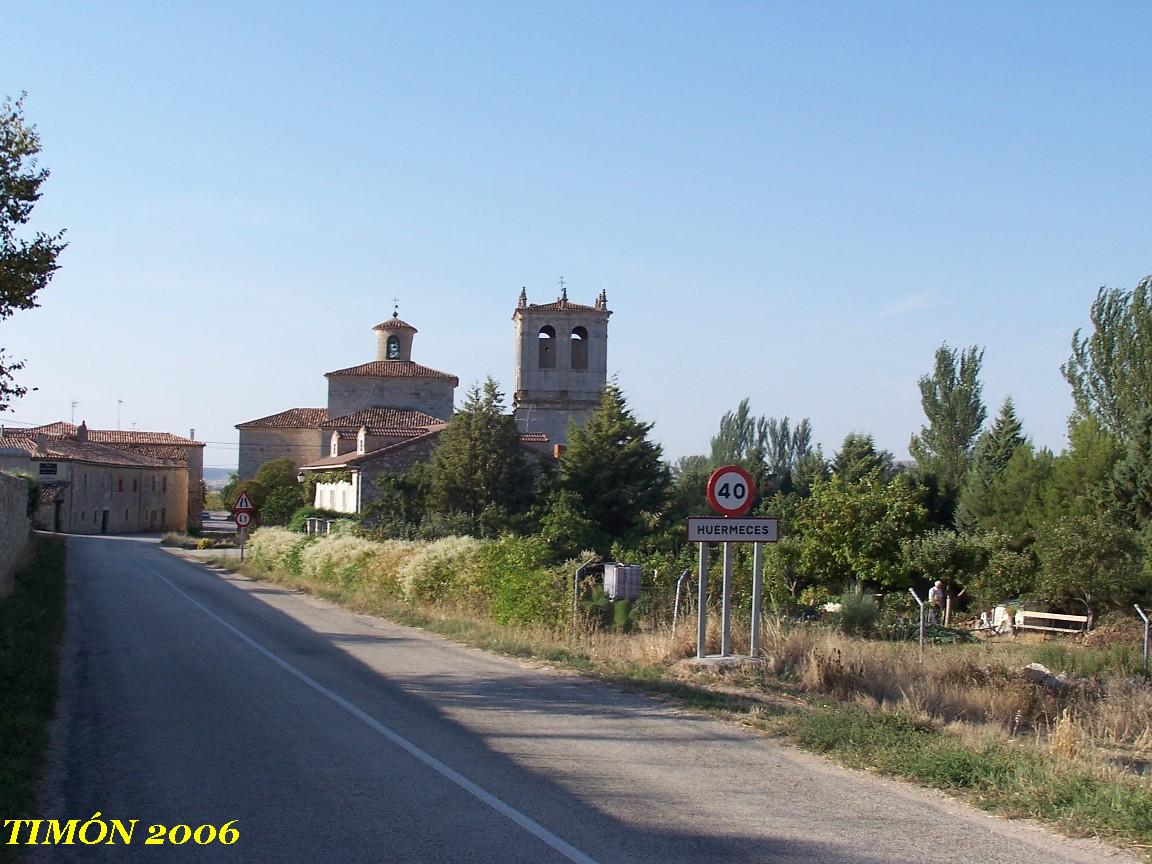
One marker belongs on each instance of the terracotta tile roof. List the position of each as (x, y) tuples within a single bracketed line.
[(354, 458), (165, 453), (66, 450), (395, 323), (293, 418), (393, 369), (382, 418), (111, 436), (533, 438)]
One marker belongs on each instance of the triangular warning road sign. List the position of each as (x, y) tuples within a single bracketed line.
[(243, 503)]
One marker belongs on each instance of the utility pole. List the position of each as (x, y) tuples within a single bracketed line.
[(119, 403), (74, 404)]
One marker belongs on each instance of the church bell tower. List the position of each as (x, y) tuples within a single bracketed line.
[(561, 363)]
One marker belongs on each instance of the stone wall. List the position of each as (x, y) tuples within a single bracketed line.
[(14, 526), (348, 394), (258, 446)]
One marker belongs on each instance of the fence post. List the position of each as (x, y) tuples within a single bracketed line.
[(919, 603)]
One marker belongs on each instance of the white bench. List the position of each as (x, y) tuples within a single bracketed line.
[(1079, 622)]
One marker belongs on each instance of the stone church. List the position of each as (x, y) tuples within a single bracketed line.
[(386, 415)]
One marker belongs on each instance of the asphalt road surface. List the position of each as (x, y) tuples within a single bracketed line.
[(194, 698)]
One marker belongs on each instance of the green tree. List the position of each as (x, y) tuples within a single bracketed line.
[(990, 457), (279, 505), (480, 462), (859, 459), (26, 265), (1008, 572), (1082, 474), (614, 470), (852, 532), (952, 402), (1089, 560), (1015, 501), (278, 474), (1131, 481), (1109, 371), (953, 558)]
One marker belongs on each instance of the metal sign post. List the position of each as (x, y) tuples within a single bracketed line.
[(1145, 617), (730, 492), (702, 603), (242, 516), (757, 585)]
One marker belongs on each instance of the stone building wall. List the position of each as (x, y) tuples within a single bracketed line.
[(14, 526), (258, 446), (348, 394)]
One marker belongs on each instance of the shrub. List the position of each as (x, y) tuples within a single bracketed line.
[(334, 559), (513, 573), (276, 550), (434, 573), (858, 614)]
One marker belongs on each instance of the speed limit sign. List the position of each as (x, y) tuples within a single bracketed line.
[(243, 519), (731, 490)]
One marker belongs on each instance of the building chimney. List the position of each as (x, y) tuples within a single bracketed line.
[(42, 443), (82, 432), (558, 450), (192, 434)]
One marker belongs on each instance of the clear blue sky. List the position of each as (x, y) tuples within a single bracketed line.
[(794, 202)]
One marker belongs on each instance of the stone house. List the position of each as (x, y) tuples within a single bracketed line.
[(108, 482)]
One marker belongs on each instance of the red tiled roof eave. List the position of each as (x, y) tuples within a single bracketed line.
[(395, 324), (381, 418), (393, 369), (293, 418)]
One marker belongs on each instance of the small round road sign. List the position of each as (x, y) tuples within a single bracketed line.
[(243, 519), (731, 490)]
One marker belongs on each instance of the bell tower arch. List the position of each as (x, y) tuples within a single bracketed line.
[(561, 363)]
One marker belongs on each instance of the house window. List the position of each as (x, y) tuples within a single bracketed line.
[(134, 481), (125, 514), (579, 348), (82, 512), (163, 515), (85, 482), (153, 484), (163, 484), (547, 347), (344, 500), (47, 468), (119, 484)]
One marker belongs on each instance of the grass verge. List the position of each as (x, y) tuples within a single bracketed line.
[(31, 622), (1014, 777)]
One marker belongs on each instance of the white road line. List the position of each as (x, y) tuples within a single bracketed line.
[(527, 823)]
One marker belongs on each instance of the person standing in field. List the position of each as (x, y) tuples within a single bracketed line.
[(936, 603)]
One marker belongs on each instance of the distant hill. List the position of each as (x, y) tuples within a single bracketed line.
[(216, 478)]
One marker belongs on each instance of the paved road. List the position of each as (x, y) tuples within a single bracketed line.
[(189, 697)]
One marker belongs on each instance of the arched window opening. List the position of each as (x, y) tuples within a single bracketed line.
[(393, 347), (547, 347), (579, 348)]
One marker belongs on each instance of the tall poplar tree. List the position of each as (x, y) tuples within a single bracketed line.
[(1110, 371), (952, 402), (26, 266)]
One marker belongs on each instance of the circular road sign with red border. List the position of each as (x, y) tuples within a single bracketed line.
[(731, 490), (242, 519)]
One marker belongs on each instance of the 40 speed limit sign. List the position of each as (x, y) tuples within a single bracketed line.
[(731, 490)]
